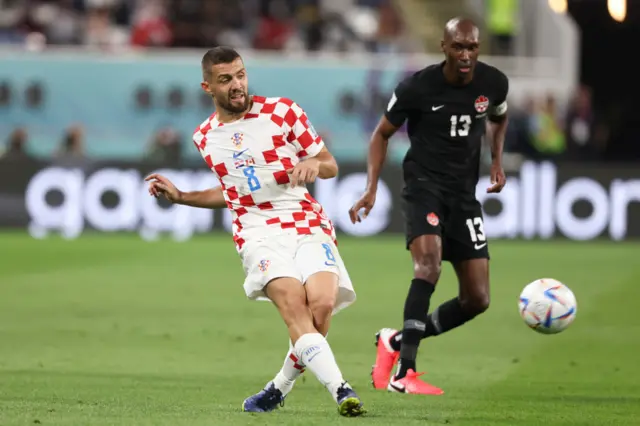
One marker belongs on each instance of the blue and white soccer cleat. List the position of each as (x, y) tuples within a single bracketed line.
[(268, 399), (349, 403)]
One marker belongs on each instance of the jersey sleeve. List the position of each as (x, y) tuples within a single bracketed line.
[(400, 104), (499, 105), (199, 135), (198, 139), (302, 134)]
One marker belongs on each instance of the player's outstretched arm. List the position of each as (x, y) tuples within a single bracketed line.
[(378, 151), (208, 199), (377, 156)]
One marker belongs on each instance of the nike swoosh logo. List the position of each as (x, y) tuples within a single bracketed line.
[(238, 154), (398, 388), (479, 246), (435, 108), (312, 357)]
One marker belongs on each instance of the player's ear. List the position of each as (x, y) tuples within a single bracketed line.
[(205, 87), (442, 46)]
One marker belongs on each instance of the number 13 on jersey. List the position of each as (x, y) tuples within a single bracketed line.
[(460, 125)]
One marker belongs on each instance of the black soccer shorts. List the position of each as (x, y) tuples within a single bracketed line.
[(459, 223)]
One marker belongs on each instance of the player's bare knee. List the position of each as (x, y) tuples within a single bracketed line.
[(321, 320), (427, 259), (476, 302), (321, 309), (427, 266), (294, 307), (322, 293)]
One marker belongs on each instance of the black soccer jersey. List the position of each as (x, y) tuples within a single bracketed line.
[(445, 124)]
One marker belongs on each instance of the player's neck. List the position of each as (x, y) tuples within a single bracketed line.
[(225, 116)]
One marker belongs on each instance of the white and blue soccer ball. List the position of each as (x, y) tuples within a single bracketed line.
[(547, 306)]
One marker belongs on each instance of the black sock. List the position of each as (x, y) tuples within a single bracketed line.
[(415, 317), (446, 317)]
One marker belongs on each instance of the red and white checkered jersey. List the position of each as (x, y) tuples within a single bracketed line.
[(251, 157)]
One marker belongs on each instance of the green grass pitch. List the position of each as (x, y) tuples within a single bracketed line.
[(112, 330)]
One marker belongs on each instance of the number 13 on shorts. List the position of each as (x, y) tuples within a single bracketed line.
[(476, 229)]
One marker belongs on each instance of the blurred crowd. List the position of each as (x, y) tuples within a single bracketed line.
[(282, 25), (165, 146), (538, 129)]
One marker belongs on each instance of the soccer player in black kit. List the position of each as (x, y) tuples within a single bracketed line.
[(446, 107)]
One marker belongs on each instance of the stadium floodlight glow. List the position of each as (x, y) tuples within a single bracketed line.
[(558, 6), (617, 9)]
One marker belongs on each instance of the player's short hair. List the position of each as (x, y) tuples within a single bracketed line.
[(217, 55)]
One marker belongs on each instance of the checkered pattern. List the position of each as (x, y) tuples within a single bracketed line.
[(274, 136)]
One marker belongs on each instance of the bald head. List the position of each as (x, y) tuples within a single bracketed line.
[(459, 25), (460, 45)]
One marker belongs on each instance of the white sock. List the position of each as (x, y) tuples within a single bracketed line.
[(315, 353), (292, 368)]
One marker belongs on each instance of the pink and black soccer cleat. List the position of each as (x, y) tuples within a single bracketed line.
[(386, 359), (411, 384)]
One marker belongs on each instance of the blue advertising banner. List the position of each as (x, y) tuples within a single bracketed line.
[(104, 94)]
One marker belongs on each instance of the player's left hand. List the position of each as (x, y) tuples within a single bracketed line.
[(304, 172), (498, 179)]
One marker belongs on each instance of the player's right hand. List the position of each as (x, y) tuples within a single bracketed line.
[(365, 202), (160, 185)]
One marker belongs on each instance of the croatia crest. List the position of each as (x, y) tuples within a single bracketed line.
[(481, 104), (237, 139), (264, 265)]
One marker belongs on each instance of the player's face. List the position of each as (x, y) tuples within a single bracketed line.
[(228, 86), (462, 52)]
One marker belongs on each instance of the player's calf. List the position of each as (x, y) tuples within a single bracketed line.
[(473, 276), (426, 254), (310, 347), (472, 301), (321, 289)]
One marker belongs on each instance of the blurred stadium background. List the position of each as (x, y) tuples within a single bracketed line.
[(103, 327)]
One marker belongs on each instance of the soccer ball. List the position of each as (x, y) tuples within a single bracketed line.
[(547, 306)]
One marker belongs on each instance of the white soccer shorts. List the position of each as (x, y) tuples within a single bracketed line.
[(296, 256)]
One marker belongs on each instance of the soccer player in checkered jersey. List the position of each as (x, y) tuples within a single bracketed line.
[(446, 107), (264, 151)]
